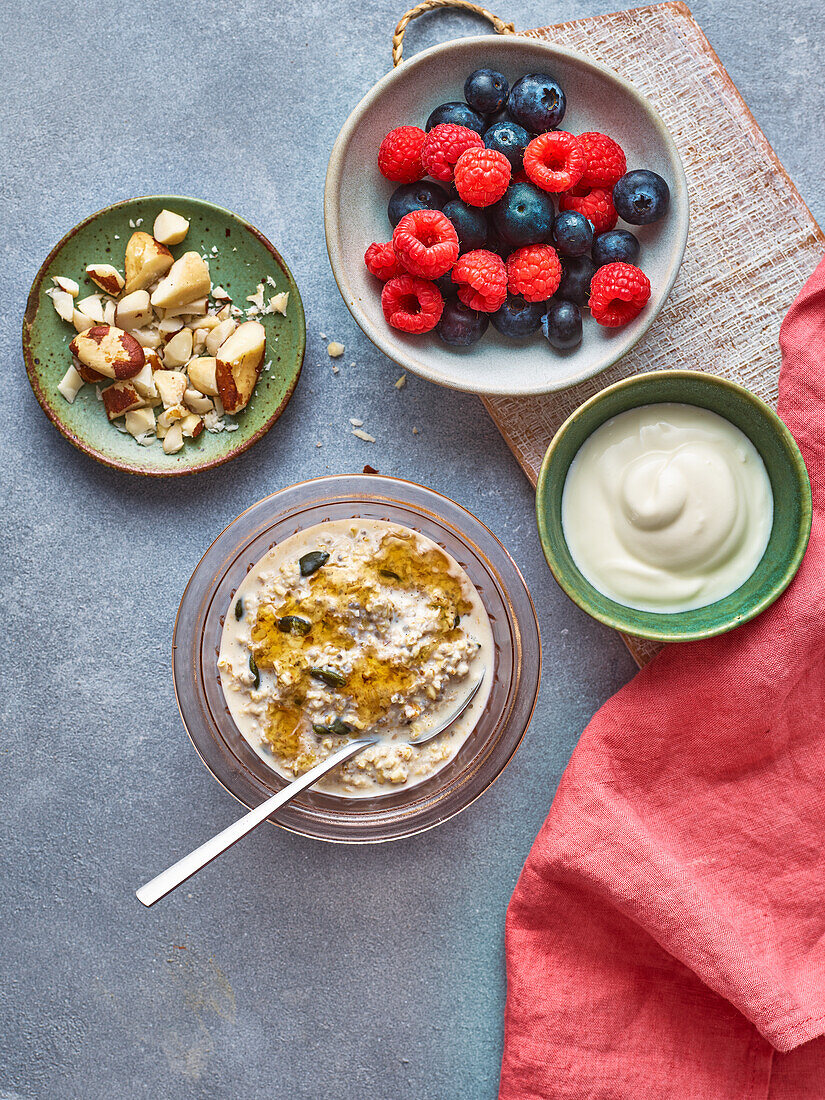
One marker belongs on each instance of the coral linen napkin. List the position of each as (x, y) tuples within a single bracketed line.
[(666, 938)]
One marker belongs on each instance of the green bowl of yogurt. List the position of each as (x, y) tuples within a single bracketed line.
[(673, 506)]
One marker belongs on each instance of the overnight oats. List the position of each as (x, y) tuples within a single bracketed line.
[(352, 627)]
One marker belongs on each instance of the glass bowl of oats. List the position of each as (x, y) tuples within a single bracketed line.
[(354, 604)]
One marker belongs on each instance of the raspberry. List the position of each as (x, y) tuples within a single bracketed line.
[(618, 293), (413, 305), (481, 176), (443, 145), (606, 162), (399, 157), (426, 243), (482, 280), (555, 161), (595, 203), (534, 272), (382, 262)]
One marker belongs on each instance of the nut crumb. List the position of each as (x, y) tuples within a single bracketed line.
[(323, 335), (356, 423), (402, 381), (335, 350), (363, 435), (415, 431), (335, 368), (319, 444)]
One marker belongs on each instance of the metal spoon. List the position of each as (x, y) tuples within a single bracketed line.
[(179, 872)]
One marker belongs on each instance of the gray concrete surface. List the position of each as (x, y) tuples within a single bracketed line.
[(290, 968)]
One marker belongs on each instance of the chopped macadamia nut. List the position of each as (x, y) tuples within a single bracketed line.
[(173, 440), (108, 278), (335, 350), (134, 311), (171, 386), (178, 351), (70, 385), (170, 228)]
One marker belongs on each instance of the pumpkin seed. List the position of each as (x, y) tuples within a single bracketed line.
[(456, 621), (388, 573), (294, 624), (239, 609), (253, 668), (312, 561), (328, 676), (336, 728)]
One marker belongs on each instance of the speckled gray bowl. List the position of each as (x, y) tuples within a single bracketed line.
[(356, 195)]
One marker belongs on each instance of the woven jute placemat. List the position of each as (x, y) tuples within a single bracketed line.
[(738, 279)]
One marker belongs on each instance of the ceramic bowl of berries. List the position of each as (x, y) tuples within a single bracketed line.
[(505, 216)]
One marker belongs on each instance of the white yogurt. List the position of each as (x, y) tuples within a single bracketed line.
[(667, 507)]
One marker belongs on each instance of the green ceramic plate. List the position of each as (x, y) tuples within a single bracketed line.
[(243, 259), (789, 481)]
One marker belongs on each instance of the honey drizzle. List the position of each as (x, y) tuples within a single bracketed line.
[(373, 685)]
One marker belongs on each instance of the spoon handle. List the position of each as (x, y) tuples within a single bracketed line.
[(179, 872)]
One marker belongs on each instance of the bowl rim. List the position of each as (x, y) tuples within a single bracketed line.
[(332, 186), (711, 381), (531, 622), (33, 304)]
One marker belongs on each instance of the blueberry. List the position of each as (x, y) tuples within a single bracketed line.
[(508, 138), (415, 196), (448, 288), (617, 246), (518, 318), (524, 216), (459, 113), (572, 233), (486, 91), (460, 325), (641, 197), (537, 103), (562, 324), (470, 224), (576, 273)]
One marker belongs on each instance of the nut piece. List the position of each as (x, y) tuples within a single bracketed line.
[(63, 304), (108, 278), (173, 440), (188, 280), (86, 373), (170, 228), (146, 261), (144, 382), (121, 398), (219, 334), (189, 309), (147, 337), (201, 373), (178, 351), (191, 426), (279, 302), (197, 402), (153, 359), (70, 385), (140, 422), (239, 362), (69, 285), (109, 312), (171, 386), (108, 350), (92, 307), (82, 321), (134, 311)]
